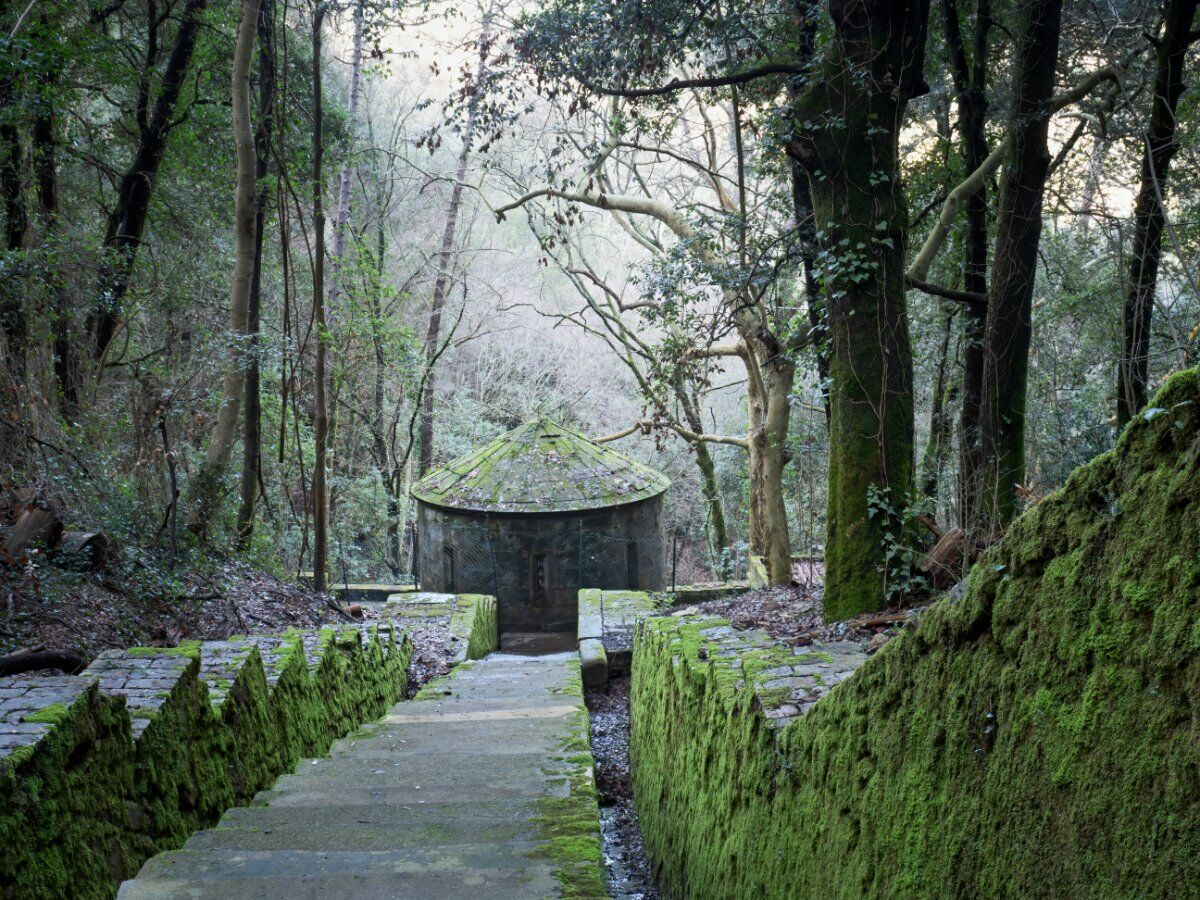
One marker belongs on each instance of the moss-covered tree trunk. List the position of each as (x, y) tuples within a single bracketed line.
[(1014, 268), (849, 122)]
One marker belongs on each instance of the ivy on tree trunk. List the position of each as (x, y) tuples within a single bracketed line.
[(847, 124)]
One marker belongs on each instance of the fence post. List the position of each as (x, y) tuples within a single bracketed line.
[(674, 556), (581, 582)]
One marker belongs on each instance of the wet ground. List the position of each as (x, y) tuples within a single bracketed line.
[(627, 871)]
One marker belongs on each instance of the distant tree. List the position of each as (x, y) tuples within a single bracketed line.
[(1149, 217), (206, 487)]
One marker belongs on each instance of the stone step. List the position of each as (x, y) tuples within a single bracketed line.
[(446, 815), (349, 790), (445, 796), (402, 833), (496, 870), (459, 737), (421, 767)]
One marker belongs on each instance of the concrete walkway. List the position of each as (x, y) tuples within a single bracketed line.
[(479, 787)]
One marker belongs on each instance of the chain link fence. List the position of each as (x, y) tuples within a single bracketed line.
[(469, 561), (608, 562)]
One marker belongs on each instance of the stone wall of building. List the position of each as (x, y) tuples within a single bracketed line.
[(535, 564)]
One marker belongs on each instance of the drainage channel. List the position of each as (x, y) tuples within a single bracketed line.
[(627, 871)]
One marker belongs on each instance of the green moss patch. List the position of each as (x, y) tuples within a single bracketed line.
[(474, 624), (570, 826), (63, 816), (1038, 737)]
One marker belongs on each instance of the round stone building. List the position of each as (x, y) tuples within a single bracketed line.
[(534, 516)]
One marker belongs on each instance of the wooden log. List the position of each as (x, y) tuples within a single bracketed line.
[(931, 523), (875, 620), (33, 659), (943, 563), (36, 526), (82, 551)]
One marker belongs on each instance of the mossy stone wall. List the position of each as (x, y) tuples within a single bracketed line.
[(102, 770), (1038, 737), (63, 800)]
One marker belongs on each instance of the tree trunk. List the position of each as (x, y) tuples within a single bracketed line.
[(806, 21), (320, 401), (127, 222), (1018, 232), (37, 526), (873, 66), (818, 320), (206, 490), (939, 431), (970, 87), (718, 528), (769, 417), (252, 420), (342, 217), (1148, 217), (441, 286), (45, 165), (14, 323)]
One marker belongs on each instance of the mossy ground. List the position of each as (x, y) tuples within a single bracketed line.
[(1037, 738)]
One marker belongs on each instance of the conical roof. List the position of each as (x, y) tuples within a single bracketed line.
[(540, 466)]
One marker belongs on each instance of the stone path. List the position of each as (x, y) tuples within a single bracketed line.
[(479, 787)]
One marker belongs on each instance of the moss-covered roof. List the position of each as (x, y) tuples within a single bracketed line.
[(540, 467)]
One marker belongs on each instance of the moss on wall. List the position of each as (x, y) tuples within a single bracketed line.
[(179, 773), (1038, 737), (84, 805), (63, 814), (301, 722), (476, 625)]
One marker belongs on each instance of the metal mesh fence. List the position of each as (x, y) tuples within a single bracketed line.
[(469, 561), (608, 562)]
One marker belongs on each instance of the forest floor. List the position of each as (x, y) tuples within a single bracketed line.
[(138, 604), (794, 615)]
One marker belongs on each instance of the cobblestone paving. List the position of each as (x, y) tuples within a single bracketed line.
[(220, 662), (620, 612), (145, 681)]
